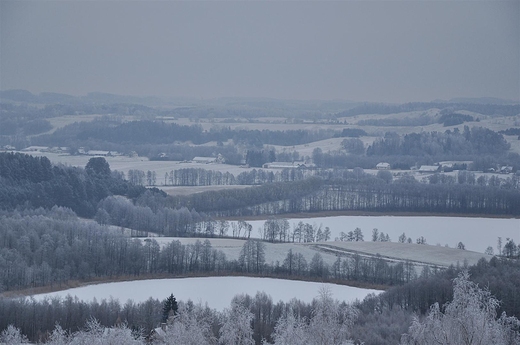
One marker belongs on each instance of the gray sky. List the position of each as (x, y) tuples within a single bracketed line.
[(362, 51)]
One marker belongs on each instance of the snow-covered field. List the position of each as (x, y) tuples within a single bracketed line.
[(390, 251), (217, 292), (476, 233), (125, 163), (431, 255)]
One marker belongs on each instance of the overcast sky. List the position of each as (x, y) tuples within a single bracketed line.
[(361, 51)]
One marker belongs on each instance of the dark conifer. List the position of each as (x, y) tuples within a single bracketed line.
[(170, 305)]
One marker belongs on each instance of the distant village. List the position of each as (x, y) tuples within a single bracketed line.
[(446, 166)]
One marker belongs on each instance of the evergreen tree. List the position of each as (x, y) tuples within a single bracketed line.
[(170, 305)]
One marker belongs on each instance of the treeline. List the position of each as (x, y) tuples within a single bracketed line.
[(204, 177), (158, 132), (447, 118), (358, 191), (248, 320), (50, 248), (180, 216), (378, 319), (486, 148), (477, 140), (34, 182), (381, 108)]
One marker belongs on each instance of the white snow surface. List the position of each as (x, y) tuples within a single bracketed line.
[(476, 233), (217, 292)]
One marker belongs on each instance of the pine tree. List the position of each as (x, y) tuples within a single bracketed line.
[(170, 305)]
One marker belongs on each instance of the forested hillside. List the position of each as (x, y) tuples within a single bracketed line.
[(34, 182)]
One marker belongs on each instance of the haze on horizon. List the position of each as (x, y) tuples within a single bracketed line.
[(361, 51)]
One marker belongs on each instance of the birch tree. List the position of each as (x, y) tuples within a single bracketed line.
[(469, 319), (236, 327)]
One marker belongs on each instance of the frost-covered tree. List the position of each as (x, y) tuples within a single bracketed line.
[(326, 234), (330, 324), (469, 319), (358, 235), (290, 330), (191, 326), (95, 334), (12, 336), (375, 235), (58, 336), (236, 326), (331, 321)]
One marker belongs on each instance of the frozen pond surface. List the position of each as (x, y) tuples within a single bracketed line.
[(476, 233), (216, 291)]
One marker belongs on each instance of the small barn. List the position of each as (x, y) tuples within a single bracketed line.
[(425, 169), (204, 160)]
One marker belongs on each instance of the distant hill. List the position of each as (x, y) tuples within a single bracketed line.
[(482, 100)]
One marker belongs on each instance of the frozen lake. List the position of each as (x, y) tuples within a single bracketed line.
[(476, 233), (216, 291)]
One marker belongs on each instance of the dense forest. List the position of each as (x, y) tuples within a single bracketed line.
[(51, 248), (137, 133), (378, 319), (35, 182)]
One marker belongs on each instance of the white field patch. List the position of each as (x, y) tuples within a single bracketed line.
[(124, 164), (62, 121), (475, 233), (416, 253), (217, 292), (332, 144)]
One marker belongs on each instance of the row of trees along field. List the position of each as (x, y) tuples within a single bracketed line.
[(358, 191), (204, 177), (50, 248), (451, 305)]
